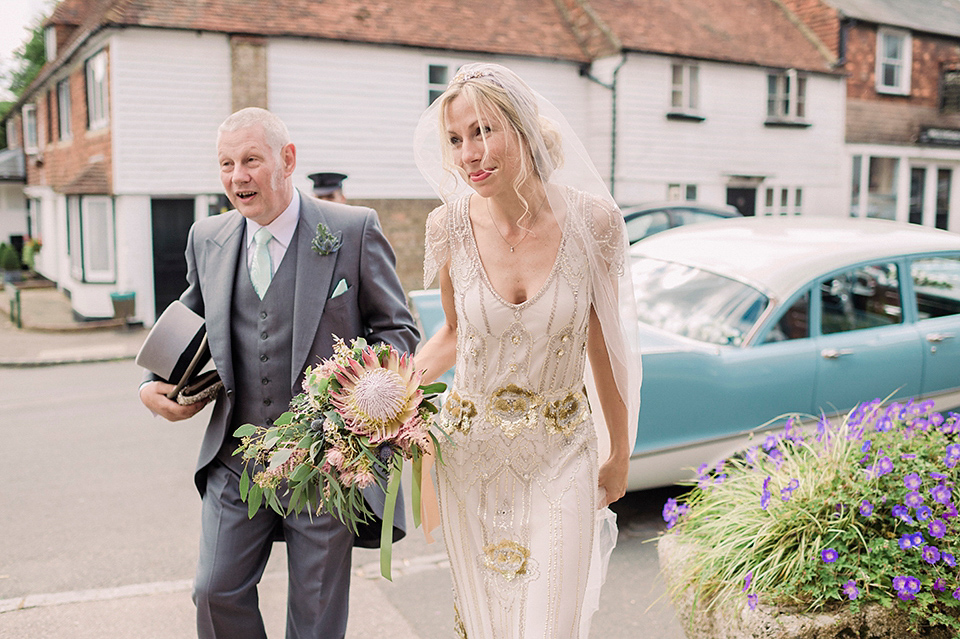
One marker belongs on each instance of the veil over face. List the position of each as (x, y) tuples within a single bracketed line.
[(559, 160)]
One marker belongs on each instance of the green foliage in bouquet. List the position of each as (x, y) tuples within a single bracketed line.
[(362, 413), (864, 511)]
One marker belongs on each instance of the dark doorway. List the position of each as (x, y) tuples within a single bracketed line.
[(743, 199), (171, 220)]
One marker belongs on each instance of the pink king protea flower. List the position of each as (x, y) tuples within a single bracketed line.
[(377, 399)]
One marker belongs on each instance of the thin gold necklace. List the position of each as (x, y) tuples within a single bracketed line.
[(526, 231)]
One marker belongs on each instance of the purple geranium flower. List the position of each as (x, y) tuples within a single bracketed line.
[(953, 455), (907, 587), (672, 511), (884, 466), (937, 528), (956, 594), (913, 499), (940, 584), (923, 513), (949, 559), (906, 541), (829, 555), (752, 600), (903, 513), (912, 481), (941, 494), (850, 589), (747, 581), (866, 508), (931, 554)]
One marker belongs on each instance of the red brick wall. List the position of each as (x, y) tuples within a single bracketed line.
[(404, 223), (64, 160), (931, 54)]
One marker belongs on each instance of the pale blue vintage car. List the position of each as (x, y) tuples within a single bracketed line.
[(745, 320)]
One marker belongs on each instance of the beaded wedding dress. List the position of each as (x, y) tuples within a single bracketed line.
[(518, 480)]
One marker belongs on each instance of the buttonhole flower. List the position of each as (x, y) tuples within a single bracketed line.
[(325, 242)]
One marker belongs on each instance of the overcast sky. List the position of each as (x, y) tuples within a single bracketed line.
[(16, 18)]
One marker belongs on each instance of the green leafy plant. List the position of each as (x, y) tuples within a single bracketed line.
[(9, 259), (862, 511)]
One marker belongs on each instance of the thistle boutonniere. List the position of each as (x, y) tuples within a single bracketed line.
[(325, 242)]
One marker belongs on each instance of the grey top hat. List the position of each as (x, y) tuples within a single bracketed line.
[(176, 350)]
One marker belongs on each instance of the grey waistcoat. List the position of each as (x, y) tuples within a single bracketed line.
[(262, 334)]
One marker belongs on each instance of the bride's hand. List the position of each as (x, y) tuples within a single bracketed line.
[(613, 480)]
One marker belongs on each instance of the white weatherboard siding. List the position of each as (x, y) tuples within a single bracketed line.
[(353, 108), (654, 151), (170, 91)]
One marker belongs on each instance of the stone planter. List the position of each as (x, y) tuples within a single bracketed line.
[(732, 621)]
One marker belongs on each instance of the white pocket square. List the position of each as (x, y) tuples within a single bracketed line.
[(340, 288)]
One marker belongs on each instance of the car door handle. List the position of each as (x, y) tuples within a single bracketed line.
[(939, 337), (835, 353)]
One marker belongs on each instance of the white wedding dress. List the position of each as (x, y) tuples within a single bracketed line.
[(518, 479)]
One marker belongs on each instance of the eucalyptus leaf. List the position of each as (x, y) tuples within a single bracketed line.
[(245, 431), (244, 484)]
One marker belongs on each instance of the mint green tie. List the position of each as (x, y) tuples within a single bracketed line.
[(261, 269)]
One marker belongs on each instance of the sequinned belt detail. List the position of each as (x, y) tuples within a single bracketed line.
[(509, 559), (514, 409), (458, 413)]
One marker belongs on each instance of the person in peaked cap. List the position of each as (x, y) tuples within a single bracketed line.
[(328, 186), (271, 300)]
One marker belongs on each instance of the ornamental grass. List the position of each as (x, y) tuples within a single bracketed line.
[(852, 513)]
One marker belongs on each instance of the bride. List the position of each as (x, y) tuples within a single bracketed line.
[(530, 251)]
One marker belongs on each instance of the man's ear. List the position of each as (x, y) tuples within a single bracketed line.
[(289, 157)]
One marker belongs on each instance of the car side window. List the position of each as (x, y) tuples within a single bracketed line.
[(793, 324), (936, 282), (644, 225), (686, 216), (864, 297)]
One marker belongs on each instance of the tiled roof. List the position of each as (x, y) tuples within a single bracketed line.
[(745, 31), (93, 180), (932, 16), (521, 27)]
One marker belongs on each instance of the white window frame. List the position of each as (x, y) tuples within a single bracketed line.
[(31, 130), (681, 192), (788, 102), (63, 109), (687, 90), (436, 86), (782, 200), (98, 115), (13, 140), (903, 65), (50, 44), (92, 238)]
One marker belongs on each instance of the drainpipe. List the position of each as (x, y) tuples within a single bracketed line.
[(612, 87)]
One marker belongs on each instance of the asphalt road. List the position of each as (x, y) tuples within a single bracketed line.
[(99, 523)]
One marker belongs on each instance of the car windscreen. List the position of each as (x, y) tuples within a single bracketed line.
[(695, 303)]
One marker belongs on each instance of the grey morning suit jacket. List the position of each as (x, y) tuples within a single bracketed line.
[(373, 307)]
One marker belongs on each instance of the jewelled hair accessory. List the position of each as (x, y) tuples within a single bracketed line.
[(463, 76)]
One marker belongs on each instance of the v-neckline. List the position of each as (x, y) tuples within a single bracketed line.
[(483, 269)]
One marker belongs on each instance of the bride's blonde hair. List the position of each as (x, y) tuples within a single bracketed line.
[(514, 110)]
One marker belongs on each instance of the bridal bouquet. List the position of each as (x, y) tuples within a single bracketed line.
[(362, 413)]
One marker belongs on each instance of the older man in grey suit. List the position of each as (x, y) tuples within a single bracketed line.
[(271, 303)]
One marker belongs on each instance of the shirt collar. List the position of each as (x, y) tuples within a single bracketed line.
[(283, 226)]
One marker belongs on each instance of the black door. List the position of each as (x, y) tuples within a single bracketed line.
[(743, 199), (171, 221)]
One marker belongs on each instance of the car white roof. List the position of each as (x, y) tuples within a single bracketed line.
[(779, 254)]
